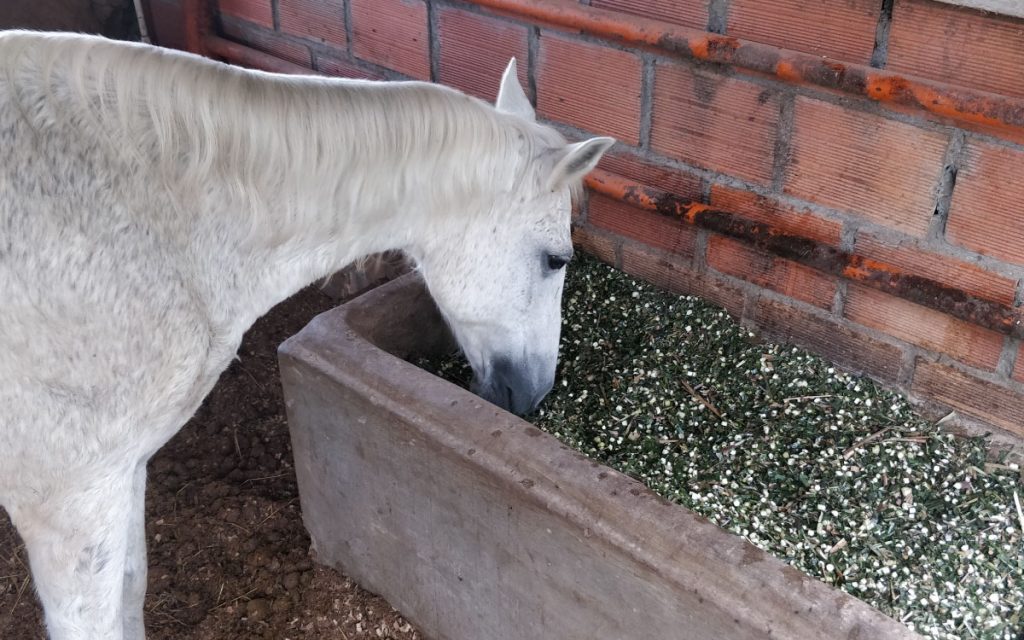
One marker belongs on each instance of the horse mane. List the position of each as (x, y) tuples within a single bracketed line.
[(190, 120)]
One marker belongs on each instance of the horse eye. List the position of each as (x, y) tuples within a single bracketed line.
[(557, 262)]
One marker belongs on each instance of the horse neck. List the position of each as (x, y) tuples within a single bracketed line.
[(334, 191)]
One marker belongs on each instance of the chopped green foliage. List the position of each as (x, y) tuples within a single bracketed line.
[(828, 471)]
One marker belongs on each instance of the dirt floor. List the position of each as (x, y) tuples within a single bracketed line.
[(228, 555)]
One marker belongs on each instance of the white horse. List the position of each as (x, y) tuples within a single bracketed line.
[(153, 204)]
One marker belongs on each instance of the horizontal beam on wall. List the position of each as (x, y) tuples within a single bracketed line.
[(815, 254), (941, 99)]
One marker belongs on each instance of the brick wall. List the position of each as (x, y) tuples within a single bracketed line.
[(931, 196)]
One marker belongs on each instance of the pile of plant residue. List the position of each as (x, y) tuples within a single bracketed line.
[(826, 470)]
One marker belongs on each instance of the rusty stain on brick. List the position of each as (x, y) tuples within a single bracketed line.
[(817, 255), (711, 47)]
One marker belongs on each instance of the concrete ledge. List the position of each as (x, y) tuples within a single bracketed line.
[(478, 526), (1006, 7)]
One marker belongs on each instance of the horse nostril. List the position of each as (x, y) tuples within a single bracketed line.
[(509, 399), (511, 387)]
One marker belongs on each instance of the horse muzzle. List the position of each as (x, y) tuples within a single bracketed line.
[(518, 388)]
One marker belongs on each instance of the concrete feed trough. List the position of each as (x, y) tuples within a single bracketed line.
[(478, 526)]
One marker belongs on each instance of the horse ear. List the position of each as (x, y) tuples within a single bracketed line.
[(577, 160), (511, 97)]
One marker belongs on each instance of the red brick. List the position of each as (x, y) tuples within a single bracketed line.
[(985, 214), (672, 274), (787, 219), (476, 49), (594, 242), (958, 46), (393, 34), (688, 13), (595, 88), (788, 278), (966, 276), (983, 399), (343, 68), (715, 122), (851, 349), (267, 42), (322, 20), (879, 169), (652, 229), (1018, 371), (257, 11), (679, 183), (844, 29), (924, 327)]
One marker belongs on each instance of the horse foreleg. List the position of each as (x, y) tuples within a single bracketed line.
[(77, 542), (134, 588)]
